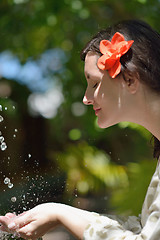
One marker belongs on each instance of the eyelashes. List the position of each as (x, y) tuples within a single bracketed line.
[(95, 85)]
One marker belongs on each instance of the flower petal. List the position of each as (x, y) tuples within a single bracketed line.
[(124, 47), (105, 63), (115, 70), (117, 37), (101, 62), (105, 46)]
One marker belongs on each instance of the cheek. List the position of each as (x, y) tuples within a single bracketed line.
[(99, 93), (109, 103), (108, 94)]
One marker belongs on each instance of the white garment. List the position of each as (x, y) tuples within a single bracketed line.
[(146, 227)]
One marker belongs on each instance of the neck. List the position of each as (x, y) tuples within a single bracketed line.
[(151, 119), (147, 114)]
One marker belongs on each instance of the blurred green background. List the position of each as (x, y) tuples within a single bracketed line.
[(55, 150)]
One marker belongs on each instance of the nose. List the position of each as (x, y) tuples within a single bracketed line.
[(87, 101)]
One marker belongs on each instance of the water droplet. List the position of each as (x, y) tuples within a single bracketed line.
[(0, 107), (5, 108), (29, 155), (1, 139), (15, 130), (3, 146), (1, 118), (14, 135), (6, 180), (13, 199), (10, 185)]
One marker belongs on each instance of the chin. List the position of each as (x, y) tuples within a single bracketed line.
[(105, 124)]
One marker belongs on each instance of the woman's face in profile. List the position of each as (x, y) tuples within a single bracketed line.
[(103, 92)]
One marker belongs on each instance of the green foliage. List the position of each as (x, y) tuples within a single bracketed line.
[(146, 134), (90, 170), (139, 178)]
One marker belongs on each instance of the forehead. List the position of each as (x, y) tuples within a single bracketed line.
[(90, 67)]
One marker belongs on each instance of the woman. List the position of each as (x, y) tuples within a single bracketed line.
[(123, 77)]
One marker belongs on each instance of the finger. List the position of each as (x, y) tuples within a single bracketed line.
[(3, 229), (27, 232), (21, 214), (21, 220), (8, 223), (5, 221), (31, 231), (10, 215)]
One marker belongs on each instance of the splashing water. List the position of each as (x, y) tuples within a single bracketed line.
[(10, 185), (3, 146), (6, 236), (6, 180), (119, 102), (1, 118), (13, 199), (1, 139)]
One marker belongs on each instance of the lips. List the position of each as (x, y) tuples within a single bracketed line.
[(97, 110)]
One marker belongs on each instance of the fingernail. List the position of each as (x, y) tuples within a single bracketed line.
[(11, 225)]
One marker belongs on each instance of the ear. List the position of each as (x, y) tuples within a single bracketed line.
[(131, 81)]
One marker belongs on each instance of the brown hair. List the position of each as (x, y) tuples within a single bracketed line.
[(142, 58)]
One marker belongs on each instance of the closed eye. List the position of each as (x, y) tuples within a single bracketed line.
[(95, 85)]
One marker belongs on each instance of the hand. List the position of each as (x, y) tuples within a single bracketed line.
[(5, 221), (39, 220), (33, 223)]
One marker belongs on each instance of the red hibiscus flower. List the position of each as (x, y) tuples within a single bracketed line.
[(112, 51)]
